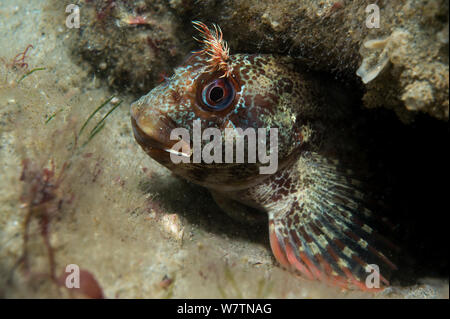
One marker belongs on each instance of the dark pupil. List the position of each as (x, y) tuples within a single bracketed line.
[(216, 94)]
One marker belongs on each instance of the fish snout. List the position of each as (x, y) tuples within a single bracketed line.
[(152, 130)]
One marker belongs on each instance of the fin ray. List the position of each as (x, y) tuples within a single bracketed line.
[(325, 233)]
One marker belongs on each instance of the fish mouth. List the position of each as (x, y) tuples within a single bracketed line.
[(152, 132)]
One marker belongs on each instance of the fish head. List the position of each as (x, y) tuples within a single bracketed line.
[(249, 91)]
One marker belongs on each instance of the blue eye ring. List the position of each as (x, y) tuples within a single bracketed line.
[(218, 94)]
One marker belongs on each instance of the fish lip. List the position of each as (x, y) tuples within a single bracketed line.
[(154, 137), (145, 140)]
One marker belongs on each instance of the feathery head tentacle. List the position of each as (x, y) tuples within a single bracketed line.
[(214, 46)]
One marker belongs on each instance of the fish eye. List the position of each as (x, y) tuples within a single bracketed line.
[(218, 95)]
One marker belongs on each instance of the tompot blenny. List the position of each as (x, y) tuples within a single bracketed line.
[(320, 216)]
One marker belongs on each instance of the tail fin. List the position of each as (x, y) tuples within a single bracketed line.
[(325, 233)]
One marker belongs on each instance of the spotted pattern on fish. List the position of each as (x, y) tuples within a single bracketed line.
[(320, 219)]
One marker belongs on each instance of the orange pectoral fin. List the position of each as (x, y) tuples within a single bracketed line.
[(277, 250)]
